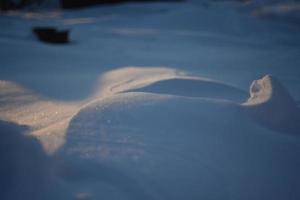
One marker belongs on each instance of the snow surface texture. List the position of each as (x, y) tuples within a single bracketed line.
[(152, 132)]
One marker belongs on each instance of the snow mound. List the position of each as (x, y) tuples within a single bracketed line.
[(152, 137), (180, 147), (139, 138), (271, 105)]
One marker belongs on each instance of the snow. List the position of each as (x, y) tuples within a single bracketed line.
[(270, 98), (158, 138), (150, 101), (194, 87)]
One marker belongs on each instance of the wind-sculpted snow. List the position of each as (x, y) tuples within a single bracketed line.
[(152, 133), (157, 133), (194, 87), (271, 105), (49, 118), (191, 147)]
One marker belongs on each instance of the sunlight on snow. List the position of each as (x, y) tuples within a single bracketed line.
[(49, 119)]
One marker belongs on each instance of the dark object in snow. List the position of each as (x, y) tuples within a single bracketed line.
[(6, 5), (71, 4), (51, 35)]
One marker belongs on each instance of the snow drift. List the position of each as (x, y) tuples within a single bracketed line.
[(138, 137), (200, 142), (152, 133)]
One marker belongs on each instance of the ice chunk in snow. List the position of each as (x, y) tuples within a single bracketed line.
[(271, 105)]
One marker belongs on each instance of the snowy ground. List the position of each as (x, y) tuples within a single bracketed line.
[(152, 101)]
